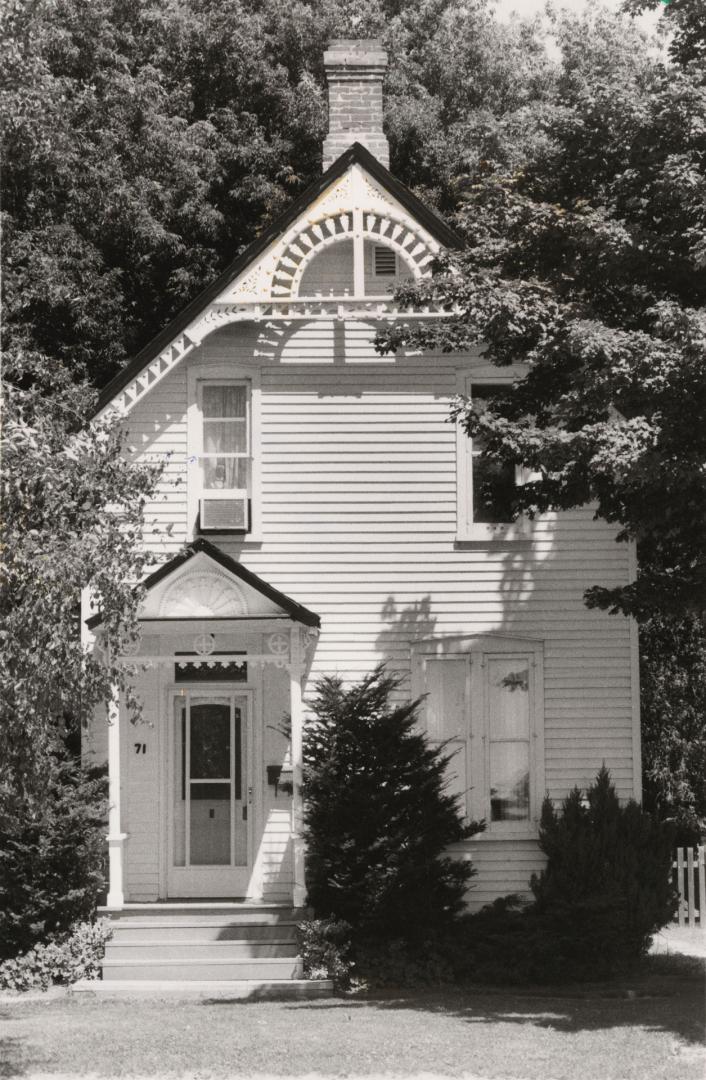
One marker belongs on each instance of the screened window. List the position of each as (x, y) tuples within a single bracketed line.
[(225, 458)]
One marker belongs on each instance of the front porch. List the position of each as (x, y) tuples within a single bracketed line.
[(205, 791)]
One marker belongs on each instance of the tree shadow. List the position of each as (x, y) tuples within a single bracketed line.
[(404, 625), (14, 1059), (674, 1006)]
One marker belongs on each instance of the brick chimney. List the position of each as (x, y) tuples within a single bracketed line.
[(354, 72)]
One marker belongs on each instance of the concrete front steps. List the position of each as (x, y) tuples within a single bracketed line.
[(228, 949)]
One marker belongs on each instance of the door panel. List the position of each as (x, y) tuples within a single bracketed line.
[(209, 848)]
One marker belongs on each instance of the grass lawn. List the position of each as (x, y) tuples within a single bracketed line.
[(598, 1032)]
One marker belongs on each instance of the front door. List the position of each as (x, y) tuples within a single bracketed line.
[(209, 848)]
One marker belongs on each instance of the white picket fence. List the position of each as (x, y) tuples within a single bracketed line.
[(689, 869)]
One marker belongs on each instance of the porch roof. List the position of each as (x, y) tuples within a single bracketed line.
[(290, 607)]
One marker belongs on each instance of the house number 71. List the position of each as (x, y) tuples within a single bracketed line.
[(140, 747)]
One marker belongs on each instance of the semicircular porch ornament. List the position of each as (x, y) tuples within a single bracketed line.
[(206, 594)]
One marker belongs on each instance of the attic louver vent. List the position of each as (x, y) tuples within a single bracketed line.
[(385, 262)]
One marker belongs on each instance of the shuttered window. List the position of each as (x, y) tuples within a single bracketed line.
[(447, 720), (485, 705)]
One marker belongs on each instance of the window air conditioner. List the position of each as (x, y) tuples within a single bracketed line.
[(228, 512)]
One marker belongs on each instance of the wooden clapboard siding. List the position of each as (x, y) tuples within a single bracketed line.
[(330, 273), (142, 812), (502, 867), (358, 464), (274, 855)]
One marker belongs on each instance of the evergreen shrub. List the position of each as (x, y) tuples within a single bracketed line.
[(605, 890), (399, 962), (378, 819), (51, 855), (76, 955)]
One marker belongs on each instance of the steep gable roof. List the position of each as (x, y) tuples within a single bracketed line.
[(356, 154), (201, 546)]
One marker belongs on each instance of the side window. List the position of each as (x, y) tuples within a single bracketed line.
[(486, 706), (224, 457), (492, 483), (484, 489)]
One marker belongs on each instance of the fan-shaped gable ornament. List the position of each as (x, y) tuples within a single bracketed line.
[(205, 595)]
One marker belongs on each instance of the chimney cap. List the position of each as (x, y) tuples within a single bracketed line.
[(355, 52)]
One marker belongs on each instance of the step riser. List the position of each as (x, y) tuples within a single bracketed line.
[(196, 919), (225, 912), (204, 970), (159, 934), (200, 950)]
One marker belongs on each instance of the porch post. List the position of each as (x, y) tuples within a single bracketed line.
[(116, 837), (297, 715)]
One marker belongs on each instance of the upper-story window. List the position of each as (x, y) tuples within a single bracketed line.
[(492, 483), (485, 489), (224, 456)]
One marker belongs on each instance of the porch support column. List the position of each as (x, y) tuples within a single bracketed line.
[(116, 837), (297, 715)]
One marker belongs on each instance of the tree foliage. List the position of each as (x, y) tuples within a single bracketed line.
[(685, 24), (378, 820), (586, 263), (73, 510), (673, 707), (52, 847)]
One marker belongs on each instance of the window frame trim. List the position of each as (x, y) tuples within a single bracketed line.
[(476, 650), (468, 530), (223, 374)]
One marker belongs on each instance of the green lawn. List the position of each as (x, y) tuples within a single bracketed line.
[(592, 1033)]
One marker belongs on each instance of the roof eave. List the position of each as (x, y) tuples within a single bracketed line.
[(355, 154)]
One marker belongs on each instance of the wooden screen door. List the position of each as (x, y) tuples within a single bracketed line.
[(210, 794)]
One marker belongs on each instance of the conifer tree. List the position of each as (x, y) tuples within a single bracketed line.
[(378, 818)]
